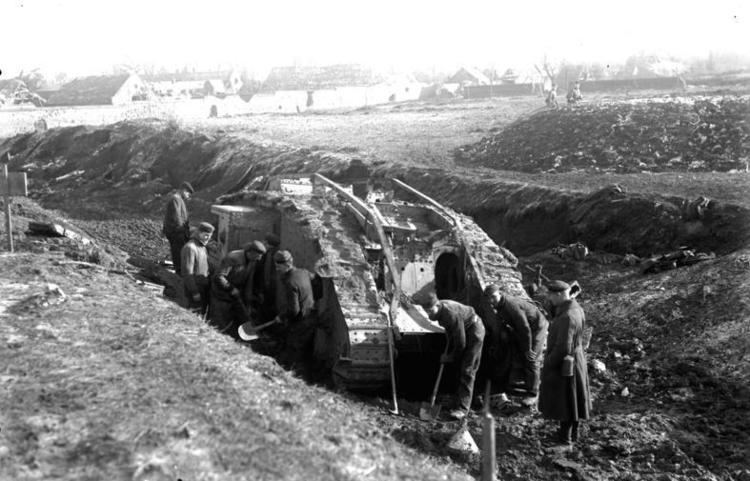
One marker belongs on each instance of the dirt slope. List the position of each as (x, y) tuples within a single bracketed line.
[(94, 388), (690, 134), (122, 171), (676, 340)]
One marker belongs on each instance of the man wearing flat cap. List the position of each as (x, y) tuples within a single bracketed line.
[(176, 226), (564, 395), (235, 287), (296, 309), (528, 331), (195, 272), (465, 334)]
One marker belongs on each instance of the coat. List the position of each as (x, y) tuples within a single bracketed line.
[(195, 267), (565, 398), (176, 222), (526, 320), (296, 295)]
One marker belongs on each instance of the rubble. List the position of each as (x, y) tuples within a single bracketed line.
[(708, 134)]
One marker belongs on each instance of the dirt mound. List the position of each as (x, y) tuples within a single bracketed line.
[(114, 178), (711, 134)]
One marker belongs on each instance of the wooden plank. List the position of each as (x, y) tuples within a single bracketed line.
[(17, 183)]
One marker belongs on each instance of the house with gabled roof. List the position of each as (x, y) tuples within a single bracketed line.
[(99, 90), (468, 76), (301, 88)]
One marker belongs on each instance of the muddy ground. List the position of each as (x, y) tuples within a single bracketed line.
[(672, 402)]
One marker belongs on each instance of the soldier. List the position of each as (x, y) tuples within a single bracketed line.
[(195, 270), (176, 225), (565, 394), (528, 327), (234, 287), (465, 334), (296, 309), (551, 99), (574, 93)]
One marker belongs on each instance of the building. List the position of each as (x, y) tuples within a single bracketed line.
[(468, 76), (100, 90), (195, 84), (296, 89)]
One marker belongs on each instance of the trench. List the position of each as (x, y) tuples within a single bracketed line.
[(127, 168)]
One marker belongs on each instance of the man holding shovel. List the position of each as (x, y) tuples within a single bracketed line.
[(465, 334), (235, 287)]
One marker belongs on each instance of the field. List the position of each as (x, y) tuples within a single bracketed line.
[(113, 381)]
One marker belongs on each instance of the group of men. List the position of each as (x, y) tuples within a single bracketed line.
[(257, 282), (561, 389), (573, 96), (260, 282)]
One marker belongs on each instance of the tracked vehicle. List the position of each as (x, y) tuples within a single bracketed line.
[(373, 253)]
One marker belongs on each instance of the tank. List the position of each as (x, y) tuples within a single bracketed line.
[(372, 254)]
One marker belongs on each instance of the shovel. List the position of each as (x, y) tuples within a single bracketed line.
[(248, 332), (428, 412)]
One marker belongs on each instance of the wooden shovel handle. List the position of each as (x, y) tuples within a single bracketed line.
[(437, 384)]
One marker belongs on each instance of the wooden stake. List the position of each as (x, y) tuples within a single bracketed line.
[(8, 222), (489, 463)]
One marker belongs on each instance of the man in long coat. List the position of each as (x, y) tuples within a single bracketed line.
[(465, 334), (564, 394), (176, 226), (528, 327)]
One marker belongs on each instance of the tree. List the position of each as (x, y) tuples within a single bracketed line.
[(34, 80)]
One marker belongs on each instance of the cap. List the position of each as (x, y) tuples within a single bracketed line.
[(283, 257), (428, 300), (205, 227), (491, 289), (273, 240), (558, 286), (187, 186), (254, 246)]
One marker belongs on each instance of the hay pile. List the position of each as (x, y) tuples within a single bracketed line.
[(711, 134)]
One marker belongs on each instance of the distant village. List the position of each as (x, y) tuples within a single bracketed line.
[(301, 88)]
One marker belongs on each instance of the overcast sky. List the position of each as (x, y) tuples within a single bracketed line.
[(89, 36)]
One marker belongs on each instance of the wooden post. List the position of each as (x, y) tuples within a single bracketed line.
[(489, 462), (8, 222)]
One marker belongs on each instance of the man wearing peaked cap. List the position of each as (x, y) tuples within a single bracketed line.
[(564, 394), (176, 226)]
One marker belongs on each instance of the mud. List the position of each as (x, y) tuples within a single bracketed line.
[(655, 135), (676, 340)]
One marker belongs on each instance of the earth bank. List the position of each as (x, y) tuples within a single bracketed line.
[(676, 340)]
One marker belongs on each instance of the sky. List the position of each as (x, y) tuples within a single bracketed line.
[(90, 36)]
